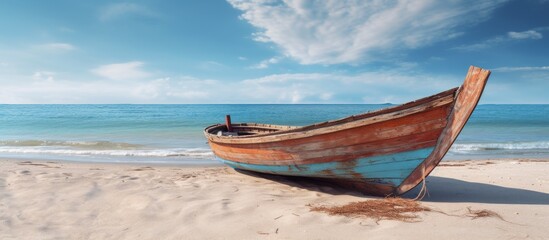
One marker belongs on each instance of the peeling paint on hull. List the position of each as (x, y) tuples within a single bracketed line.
[(386, 169)]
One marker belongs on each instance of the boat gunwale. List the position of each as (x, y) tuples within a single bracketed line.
[(326, 127)]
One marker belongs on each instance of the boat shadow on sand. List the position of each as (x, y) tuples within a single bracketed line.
[(440, 189), (443, 189)]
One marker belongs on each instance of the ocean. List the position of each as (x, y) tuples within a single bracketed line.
[(172, 134)]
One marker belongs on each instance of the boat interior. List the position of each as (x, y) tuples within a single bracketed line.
[(247, 129)]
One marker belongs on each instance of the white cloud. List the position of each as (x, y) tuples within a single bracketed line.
[(510, 36), (182, 89), (395, 86), (117, 10), (212, 66), (482, 45), (326, 96), (41, 87), (284, 78), (514, 69), (530, 34), (350, 31), (57, 47), (371, 87), (38, 91), (43, 76), (122, 71), (267, 62), (35, 89)]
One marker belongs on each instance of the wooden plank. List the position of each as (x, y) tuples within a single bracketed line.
[(434, 119), (466, 100), (342, 153), (228, 123)]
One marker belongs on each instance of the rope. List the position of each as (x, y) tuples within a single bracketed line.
[(423, 191)]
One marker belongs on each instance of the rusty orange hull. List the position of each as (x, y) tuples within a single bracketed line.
[(385, 152)]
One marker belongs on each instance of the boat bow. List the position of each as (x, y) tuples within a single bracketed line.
[(465, 102)]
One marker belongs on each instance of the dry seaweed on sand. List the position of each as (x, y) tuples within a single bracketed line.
[(484, 213), (379, 209)]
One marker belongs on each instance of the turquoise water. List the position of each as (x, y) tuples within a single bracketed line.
[(173, 133)]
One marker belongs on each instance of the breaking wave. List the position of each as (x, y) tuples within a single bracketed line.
[(126, 153), (75, 144), (97, 148), (542, 146)]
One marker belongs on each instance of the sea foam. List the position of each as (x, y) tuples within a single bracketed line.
[(192, 152), (477, 147)]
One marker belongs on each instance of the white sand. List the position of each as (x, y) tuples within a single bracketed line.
[(62, 200)]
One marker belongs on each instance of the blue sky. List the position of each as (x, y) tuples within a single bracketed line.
[(332, 51)]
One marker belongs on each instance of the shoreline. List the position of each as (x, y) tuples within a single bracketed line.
[(61, 199), (197, 162), (208, 163)]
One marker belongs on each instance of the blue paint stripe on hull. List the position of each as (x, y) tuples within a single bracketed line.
[(388, 169)]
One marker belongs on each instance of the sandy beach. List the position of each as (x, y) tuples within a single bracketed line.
[(67, 200)]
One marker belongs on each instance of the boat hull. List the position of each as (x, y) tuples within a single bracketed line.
[(389, 169), (386, 152)]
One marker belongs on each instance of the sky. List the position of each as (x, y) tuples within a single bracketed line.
[(268, 51)]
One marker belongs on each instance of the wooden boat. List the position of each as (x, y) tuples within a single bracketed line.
[(384, 152)]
